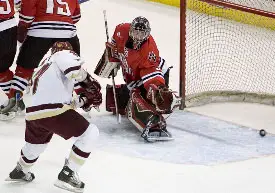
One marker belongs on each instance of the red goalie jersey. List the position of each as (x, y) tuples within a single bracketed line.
[(138, 66), (50, 18)]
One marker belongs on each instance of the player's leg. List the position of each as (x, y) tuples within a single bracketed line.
[(143, 115), (7, 54), (70, 124), (37, 140), (31, 53), (74, 41), (68, 177)]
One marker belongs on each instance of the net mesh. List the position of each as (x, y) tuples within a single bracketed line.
[(230, 54), (266, 5)]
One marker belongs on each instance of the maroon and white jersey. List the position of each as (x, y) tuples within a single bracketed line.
[(7, 19), (53, 85), (50, 18)]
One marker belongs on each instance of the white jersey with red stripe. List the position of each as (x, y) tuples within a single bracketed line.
[(50, 18), (53, 82), (7, 19)]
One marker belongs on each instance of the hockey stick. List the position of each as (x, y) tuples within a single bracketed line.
[(113, 77)]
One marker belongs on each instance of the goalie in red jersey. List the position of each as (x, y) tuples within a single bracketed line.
[(145, 96)]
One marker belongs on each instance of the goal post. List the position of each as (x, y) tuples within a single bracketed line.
[(228, 51), (182, 80)]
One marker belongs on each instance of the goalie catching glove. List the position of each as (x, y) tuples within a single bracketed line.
[(163, 98)]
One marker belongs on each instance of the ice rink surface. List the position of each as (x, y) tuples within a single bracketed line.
[(216, 149)]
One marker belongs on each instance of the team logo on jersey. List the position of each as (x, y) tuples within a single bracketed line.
[(152, 57)]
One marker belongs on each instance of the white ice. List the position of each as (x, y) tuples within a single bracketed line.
[(121, 162)]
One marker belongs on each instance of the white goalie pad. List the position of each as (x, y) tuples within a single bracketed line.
[(105, 67)]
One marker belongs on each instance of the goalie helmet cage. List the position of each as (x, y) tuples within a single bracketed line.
[(227, 51)]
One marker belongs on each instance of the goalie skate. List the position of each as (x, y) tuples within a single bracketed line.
[(153, 135), (17, 175), (69, 180)]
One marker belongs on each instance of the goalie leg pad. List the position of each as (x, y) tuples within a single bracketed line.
[(148, 121), (122, 95)]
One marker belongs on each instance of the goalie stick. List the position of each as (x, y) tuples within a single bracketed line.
[(113, 77)]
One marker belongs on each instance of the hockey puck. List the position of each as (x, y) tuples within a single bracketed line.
[(262, 132)]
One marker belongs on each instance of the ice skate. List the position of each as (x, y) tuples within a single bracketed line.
[(153, 135), (7, 116), (14, 105), (69, 180), (156, 132), (17, 175)]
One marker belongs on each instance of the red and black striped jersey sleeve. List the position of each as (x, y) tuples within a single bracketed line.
[(27, 12), (77, 13)]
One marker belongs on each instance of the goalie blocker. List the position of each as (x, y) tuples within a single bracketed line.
[(108, 62)]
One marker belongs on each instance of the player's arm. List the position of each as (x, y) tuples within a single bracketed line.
[(88, 88), (77, 13), (70, 64), (26, 17), (150, 72)]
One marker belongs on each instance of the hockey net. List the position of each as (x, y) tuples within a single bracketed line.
[(229, 52)]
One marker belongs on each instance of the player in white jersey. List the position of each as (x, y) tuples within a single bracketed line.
[(52, 112), (41, 24)]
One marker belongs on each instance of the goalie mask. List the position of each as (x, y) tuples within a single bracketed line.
[(139, 30)]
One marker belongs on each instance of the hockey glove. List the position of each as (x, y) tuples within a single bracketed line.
[(90, 93), (92, 99), (161, 97), (109, 63), (90, 84), (78, 102)]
